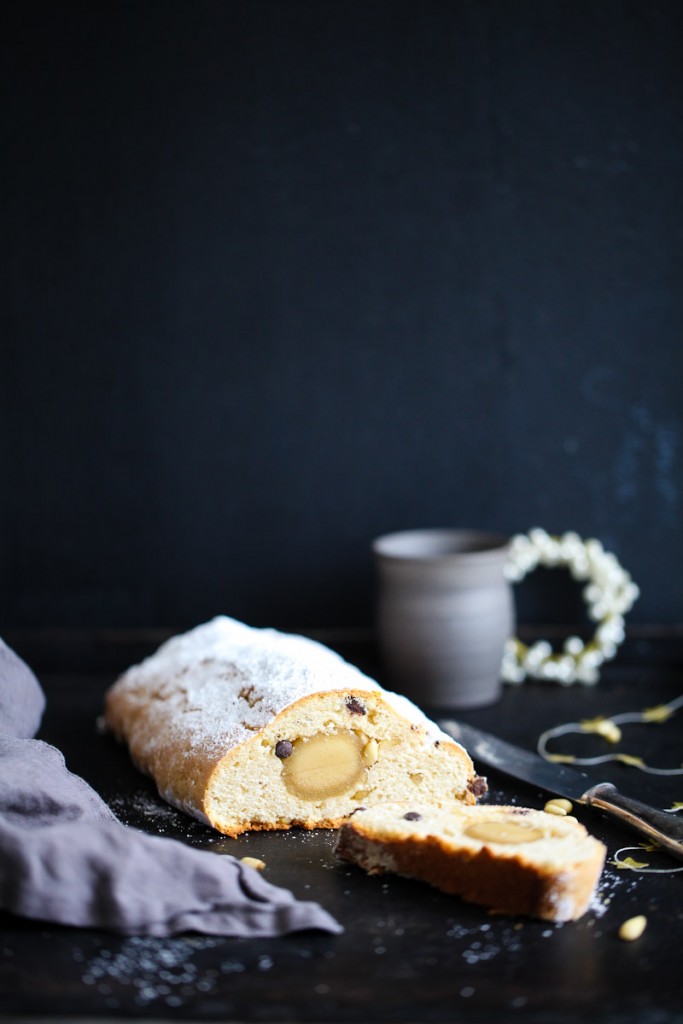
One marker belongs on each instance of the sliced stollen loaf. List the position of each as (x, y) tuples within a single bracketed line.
[(513, 860), (257, 729)]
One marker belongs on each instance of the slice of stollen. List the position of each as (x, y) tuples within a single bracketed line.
[(514, 860), (257, 729)]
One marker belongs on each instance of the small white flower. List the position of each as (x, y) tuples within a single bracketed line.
[(609, 594)]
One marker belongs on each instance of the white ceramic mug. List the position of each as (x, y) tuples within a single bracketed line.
[(444, 612)]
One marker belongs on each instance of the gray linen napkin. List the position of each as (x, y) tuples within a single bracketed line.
[(66, 858)]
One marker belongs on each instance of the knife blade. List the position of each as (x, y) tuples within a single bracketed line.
[(659, 826)]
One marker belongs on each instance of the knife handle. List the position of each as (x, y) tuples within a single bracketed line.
[(660, 826)]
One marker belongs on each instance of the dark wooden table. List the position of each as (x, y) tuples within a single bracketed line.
[(408, 953)]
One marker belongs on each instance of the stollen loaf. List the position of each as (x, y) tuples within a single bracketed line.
[(248, 728), (514, 860)]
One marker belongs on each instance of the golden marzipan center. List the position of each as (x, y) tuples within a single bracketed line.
[(503, 832), (326, 765)]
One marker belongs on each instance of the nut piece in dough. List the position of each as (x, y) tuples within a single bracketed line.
[(370, 752)]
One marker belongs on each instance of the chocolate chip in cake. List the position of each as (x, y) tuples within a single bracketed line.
[(283, 749), (355, 706), (412, 816)]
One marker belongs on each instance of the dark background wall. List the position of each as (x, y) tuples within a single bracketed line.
[(281, 276)]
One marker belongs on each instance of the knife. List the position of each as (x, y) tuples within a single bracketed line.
[(660, 826)]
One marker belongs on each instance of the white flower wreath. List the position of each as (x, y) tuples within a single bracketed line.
[(609, 594)]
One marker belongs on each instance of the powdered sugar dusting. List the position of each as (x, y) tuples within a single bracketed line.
[(144, 807), (222, 681), (153, 971), (611, 882)]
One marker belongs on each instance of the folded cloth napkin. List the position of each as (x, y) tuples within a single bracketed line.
[(66, 858)]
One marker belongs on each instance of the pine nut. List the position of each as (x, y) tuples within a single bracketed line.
[(253, 862), (633, 928), (558, 806), (370, 752)]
